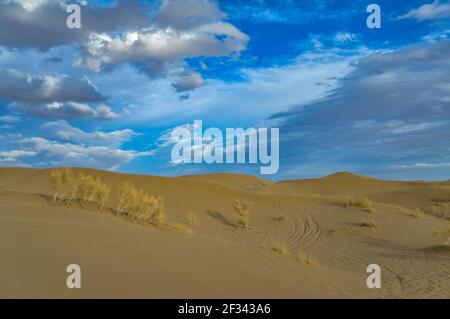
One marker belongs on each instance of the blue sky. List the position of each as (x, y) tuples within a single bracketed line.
[(345, 97)]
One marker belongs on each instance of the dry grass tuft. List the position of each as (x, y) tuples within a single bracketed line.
[(308, 260), (440, 210), (192, 218), (281, 248), (360, 202), (242, 209), (444, 234)]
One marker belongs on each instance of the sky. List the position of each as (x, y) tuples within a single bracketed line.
[(344, 97)]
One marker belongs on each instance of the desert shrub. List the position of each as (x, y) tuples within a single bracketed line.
[(281, 248), (159, 215), (101, 193), (444, 234), (182, 228), (242, 209), (359, 202), (141, 205), (192, 218), (85, 191), (63, 181), (128, 196), (83, 188), (440, 210), (308, 260), (280, 217)]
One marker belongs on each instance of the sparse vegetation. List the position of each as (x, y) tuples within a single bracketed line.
[(182, 228), (192, 218), (63, 181), (308, 260), (444, 234), (281, 248), (86, 189), (360, 202), (440, 210), (140, 205), (83, 188), (242, 209)]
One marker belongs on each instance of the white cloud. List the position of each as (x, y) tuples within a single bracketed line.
[(431, 11), (64, 131), (162, 45), (421, 166), (345, 37), (66, 111), (79, 155), (9, 119), (31, 5)]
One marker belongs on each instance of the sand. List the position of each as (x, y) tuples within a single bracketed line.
[(122, 259)]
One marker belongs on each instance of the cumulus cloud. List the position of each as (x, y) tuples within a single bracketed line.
[(42, 24), (431, 11), (53, 96), (26, 88), (179, 30), (156, 50), (153, 37)]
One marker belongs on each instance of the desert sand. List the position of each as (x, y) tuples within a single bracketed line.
[(124, 259)]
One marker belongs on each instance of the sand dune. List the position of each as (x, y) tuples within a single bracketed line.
[(122, 259)]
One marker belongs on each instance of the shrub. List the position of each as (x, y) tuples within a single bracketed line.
[(359, 202), (440, 210), (192, 218), (86, 189), (127, 197), (242, 209), (101, 193), (308, 260), (63, 181), (281, 248), (444, 234), (280, 217), (140, 205)]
